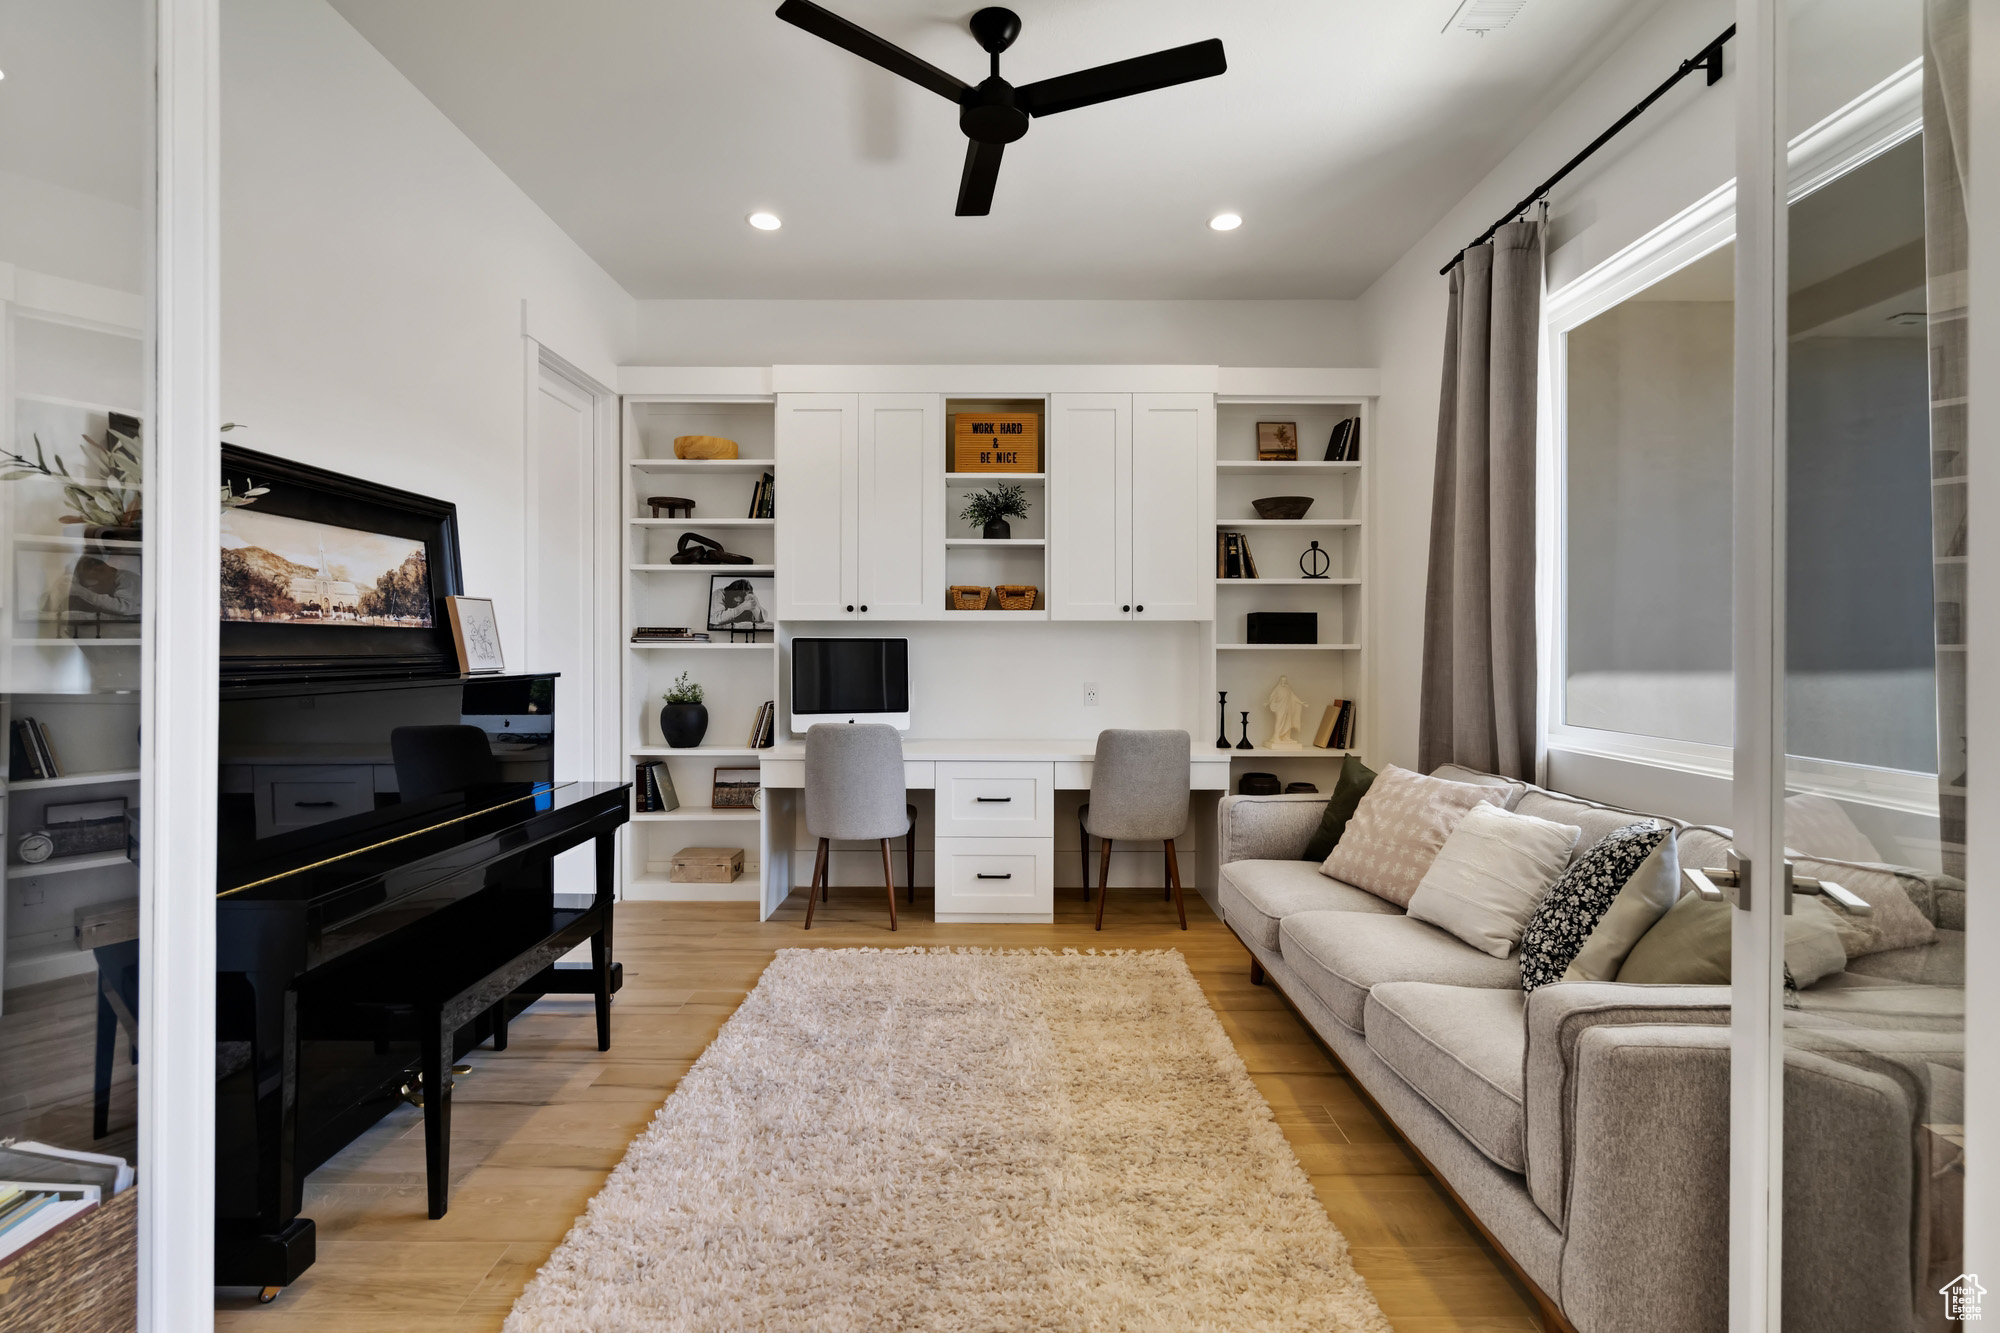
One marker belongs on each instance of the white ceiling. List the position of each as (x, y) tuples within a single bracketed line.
[(648, 128)]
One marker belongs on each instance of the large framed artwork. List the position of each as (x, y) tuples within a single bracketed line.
[(325, 574)]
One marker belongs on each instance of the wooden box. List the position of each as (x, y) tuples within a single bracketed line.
[(996, 442), (706, 865)]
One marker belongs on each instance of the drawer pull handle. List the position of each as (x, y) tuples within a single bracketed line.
[(986, 800), (983, 875), (315, 805)]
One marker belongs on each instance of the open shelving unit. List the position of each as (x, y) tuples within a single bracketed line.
[(1335, 667), (1022, 558), (736, 677)]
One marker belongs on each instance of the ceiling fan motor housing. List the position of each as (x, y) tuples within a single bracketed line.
[(989, 114)]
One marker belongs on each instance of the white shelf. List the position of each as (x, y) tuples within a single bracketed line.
[(1288, 583), (76, 543), (696, 646), (78, 643), (1288, 647), (1307, 752), (74, 780), (996, 541), (702, 569), (1287, 522), (63, 865), (694, 751), (974, 478), (703, 523), (695, 814), (996, 615), (712, 466), (1252, 467)]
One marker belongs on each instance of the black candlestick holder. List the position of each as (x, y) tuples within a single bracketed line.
[(1245, 744), (1315, 562), (1221, 720)]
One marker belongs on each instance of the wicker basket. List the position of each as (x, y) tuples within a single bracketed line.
[(968, 597), (1016, 596)]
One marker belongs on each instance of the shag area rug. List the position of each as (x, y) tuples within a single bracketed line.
[(959, 1140)]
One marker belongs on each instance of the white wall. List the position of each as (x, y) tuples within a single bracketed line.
[(1219, 333), (375, 266)]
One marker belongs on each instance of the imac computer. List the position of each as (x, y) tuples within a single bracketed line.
[(850, 680)]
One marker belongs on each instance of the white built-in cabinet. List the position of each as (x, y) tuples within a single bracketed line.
[(860, 527), (1131, 506)]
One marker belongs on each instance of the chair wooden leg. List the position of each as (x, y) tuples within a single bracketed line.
[(1103, 880), (889, 882), (1174, 880), (812, 890), (1167, 872), (910, 857), (1083, 841)]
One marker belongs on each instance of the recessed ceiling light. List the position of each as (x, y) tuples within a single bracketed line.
[(1225, 222), (766, 221)]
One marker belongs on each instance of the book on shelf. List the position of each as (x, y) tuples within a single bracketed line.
[(1336, 721), (763, 498), (49, 750), (1236, 560), (668, 634), (757, 726), (27, 1159), (769, 736), (653, 788), (1344, 445), (31, 754)]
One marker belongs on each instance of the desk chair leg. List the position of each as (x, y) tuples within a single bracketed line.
[(437, 1114), (107, 1044), (1103, 880), (1167, 872), (1174, 881), (889, 882), (812, 890), (1083, 841), (910, 856)]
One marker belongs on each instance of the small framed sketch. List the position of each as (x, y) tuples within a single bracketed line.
[(741, 603), (736, 789), (1277, 441), (477, 635)]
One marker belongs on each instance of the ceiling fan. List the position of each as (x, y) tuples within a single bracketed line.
[(995, 113)]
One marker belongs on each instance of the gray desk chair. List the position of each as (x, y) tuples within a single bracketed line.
[(1139, 789), (854, 791)]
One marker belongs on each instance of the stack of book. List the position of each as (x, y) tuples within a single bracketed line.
[(1336, 726), (42, 1187), (764, 498), (653, 789), (1344, 445), (668, 634), (1232, 556), (763, 730), (33, 754)]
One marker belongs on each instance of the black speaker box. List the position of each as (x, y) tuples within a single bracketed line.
[(1284, 626)]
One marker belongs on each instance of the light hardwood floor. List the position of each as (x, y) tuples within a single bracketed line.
[(538, 1127)]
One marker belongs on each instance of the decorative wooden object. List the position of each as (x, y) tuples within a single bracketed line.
[(968, 597), (706, 865), (1282, 506), (703, 446), (83, 1277), (996, 442), (1017, 596), (675, 505)]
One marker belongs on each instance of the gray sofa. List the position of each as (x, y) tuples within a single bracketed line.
[(1586, 1127)]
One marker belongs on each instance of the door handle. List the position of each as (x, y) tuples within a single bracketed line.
[(989, 800), (982, 875), (1710, 883), (315, 805)]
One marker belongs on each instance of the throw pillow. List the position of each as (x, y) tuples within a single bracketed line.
[(1817, 826), (1646, 897), (1690, 945), (1894, 922), (1491, 875), (1397, 829), (1556, 933), (1355, 779)]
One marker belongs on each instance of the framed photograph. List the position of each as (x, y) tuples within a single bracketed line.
[(330, 574), (1277, 441), (92, 592), (476, 634), (741, 603), (735, 789)]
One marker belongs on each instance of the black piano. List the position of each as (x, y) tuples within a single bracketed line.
[(385, 902)]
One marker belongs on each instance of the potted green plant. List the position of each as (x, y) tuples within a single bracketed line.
[(990, 510), (684, 719), (106, 497)]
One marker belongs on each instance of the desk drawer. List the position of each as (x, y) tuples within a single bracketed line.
[(995, 878), (996, 800)]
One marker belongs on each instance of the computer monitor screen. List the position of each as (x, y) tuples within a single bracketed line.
[(850, 680)]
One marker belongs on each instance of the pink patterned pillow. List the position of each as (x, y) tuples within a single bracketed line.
[(1397, 829)]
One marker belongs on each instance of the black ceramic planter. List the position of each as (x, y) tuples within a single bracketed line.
[(684, 724), (998, 531)]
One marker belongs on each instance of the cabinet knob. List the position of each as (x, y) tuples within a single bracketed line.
[(864, 607), (1125, 608), (1141, 608), (850, 608)]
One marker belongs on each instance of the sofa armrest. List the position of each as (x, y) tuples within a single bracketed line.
[(1558, 1017), (1267, 828)]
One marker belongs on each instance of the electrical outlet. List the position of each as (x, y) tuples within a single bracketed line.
[(1090, 694)]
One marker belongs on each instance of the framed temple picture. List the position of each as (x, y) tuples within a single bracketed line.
[(476, 635)]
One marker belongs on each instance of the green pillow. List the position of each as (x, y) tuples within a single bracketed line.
[(1355, 778), (1689, 946)]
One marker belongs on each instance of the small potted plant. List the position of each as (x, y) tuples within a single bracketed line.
[(990, 510), (684, 720)]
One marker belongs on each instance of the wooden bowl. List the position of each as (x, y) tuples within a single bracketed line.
[(703, 446), (1282, 506)]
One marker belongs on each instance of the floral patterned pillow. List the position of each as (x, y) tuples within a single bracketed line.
[(1556, 933)]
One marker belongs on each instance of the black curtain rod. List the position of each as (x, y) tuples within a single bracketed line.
[(1709, 58)]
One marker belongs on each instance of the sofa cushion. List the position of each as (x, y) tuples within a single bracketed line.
[(1597, 821), (1355, 779), (1341, 956), (1690, 945), (1939, 964), (1257, 895), (1463, 1048), (1397, 830), (1490, 876), (1562, 924), (1460, 773)]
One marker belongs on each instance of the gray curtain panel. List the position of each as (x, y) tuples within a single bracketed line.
[(1479, 691), (1947, 72)]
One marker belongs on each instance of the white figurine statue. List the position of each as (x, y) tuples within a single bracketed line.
[(1287, 712)]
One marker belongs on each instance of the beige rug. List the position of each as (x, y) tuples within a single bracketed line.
[(959, 1140)]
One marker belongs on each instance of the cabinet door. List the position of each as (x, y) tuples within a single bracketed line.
[(900, 533), (1173, 506), (1090, 506), (816, 449)]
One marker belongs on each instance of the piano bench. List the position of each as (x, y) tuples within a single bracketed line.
[(412, 995)]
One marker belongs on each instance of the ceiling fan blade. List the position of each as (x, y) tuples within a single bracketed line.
[(831, 26), (975, 186), (1141, 74)]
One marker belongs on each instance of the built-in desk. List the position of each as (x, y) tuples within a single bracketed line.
[(995, 814)]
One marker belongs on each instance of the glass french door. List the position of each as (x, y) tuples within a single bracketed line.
[(1847, 869)]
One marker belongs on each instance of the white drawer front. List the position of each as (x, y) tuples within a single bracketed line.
[(996, 800), (999, 877)]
